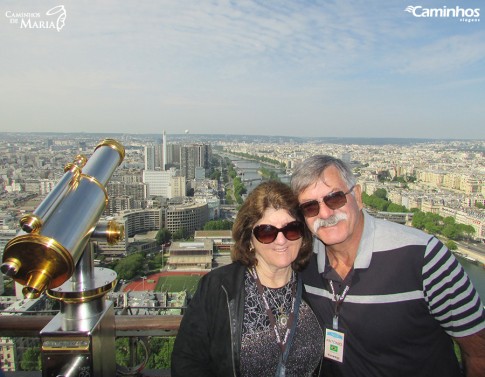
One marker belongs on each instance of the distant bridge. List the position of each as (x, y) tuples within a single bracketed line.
[(229, 207), (252, 180), (241, 172)]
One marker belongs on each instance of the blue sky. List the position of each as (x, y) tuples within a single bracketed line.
[(293, 68)]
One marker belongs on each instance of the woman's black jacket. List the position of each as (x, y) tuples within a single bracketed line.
[(209, 339)]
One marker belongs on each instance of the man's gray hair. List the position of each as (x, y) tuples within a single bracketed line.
[(310, 170)]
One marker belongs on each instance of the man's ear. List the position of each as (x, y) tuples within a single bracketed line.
[(358, 196)]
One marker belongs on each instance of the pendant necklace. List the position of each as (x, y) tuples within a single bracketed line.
[(278, 300), (283, 320), (282, 317)]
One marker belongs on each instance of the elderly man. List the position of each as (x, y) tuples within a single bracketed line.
[(390, 298)]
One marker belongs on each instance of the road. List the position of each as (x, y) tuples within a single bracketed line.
[(475, 251)]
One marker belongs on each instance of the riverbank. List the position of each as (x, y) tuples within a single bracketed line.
[(471, 256)]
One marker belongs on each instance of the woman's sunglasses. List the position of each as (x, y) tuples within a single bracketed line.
[(334, 200), (266, 233)]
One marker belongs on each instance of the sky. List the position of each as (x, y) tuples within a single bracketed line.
[(333, 68)]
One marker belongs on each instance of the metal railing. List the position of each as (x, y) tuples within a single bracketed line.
[(131, 326), (126, 325)]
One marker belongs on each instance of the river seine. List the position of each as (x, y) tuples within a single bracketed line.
[(477, 276)]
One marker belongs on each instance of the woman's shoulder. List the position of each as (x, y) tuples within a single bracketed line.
[(227, 271)]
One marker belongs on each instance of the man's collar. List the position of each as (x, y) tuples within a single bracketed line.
[(366, 244)]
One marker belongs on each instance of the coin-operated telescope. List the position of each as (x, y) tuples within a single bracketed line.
[(53, 253)]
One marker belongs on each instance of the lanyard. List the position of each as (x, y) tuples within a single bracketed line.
[(284, 344), (269, 312), (339, 299)]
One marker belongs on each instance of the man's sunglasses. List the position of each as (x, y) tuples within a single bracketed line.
[(266, 233), (334, 200)]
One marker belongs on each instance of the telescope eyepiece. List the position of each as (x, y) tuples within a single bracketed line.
[(31, 292), (11, 267), (31, 223)]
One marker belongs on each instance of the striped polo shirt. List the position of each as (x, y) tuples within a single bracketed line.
[(408, 294)]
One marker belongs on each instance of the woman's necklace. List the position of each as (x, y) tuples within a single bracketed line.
[(277, 299), (282, 317), (280, 300)]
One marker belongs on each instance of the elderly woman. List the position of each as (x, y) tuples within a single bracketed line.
[(250, 318)]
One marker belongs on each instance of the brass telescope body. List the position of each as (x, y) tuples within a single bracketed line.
[(54, 253), (45, 253)]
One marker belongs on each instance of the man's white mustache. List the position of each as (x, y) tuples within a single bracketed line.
[(331, 221)]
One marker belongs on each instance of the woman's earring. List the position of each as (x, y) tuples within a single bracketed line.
[(251, 247)]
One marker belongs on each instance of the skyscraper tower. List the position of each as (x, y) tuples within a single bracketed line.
[(149, 157), (164, 149), (192, 156)]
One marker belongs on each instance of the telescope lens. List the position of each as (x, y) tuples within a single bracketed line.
[(30, 292), (10, 267)]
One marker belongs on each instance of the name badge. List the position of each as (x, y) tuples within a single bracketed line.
[(334, 345)]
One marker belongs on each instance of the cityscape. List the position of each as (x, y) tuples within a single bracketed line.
[(179, 183), (132, 132)]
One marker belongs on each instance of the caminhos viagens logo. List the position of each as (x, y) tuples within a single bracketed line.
[(54, 18), (459, 13)]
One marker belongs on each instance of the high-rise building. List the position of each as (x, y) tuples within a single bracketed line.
[(154, 157), (164, 150), (164, 183), (194, 156), (138, 190), (149, 157), (158, 155), (173, 155)]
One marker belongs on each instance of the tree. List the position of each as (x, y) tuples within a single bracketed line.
[(418, 220), (431, 227), (161, 350), (123, 350), (130, 266), (157, 262), (381, 193), (269, 174), (218, 225), (450, 231), (392, 207), (466, 230), (215, 175), (451, 245), (31, 359), (179, 234), (163, 236), (449, 220), (122, 353)]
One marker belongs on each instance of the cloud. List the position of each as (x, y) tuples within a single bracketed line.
[(446, 55), (268, 65)]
